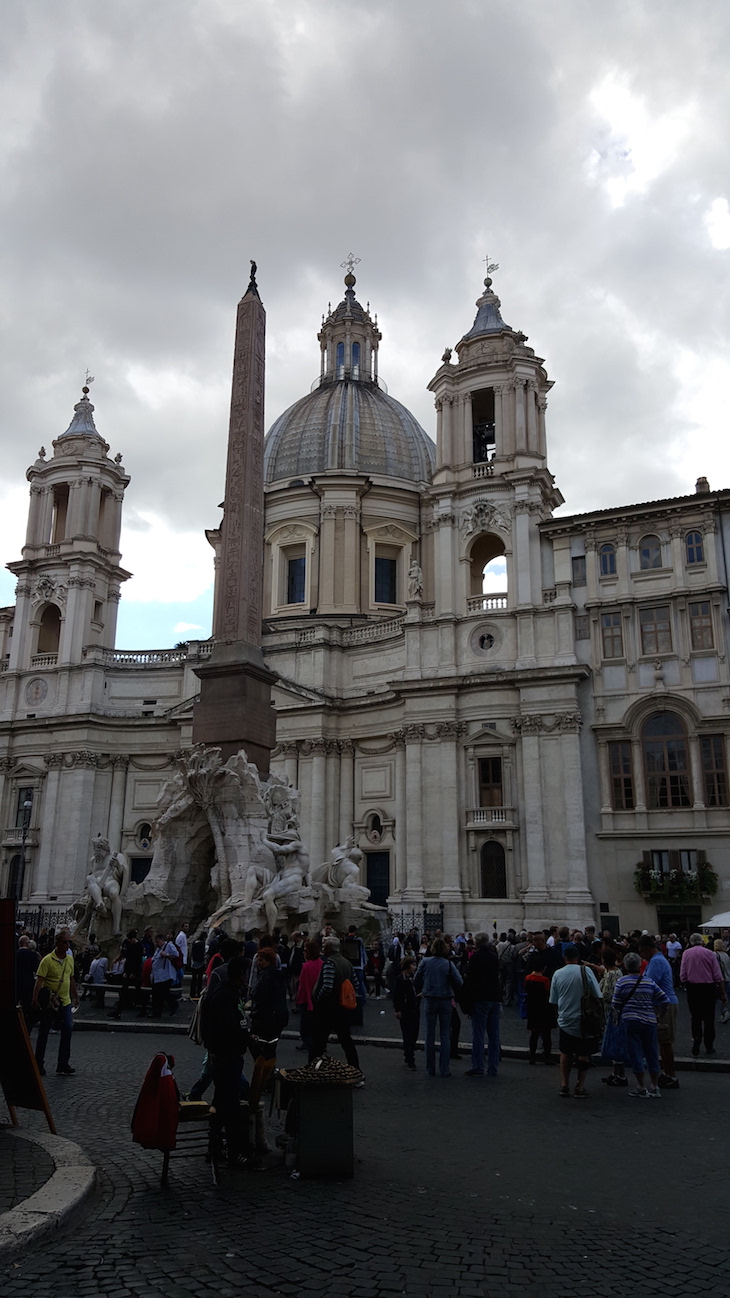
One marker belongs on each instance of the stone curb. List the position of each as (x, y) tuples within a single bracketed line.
[(65, 1190), (683, 1064)]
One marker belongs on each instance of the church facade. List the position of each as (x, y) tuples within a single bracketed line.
[(513, 755)]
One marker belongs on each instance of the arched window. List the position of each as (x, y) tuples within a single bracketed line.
[(487, 566), (694, 549), (50, 630), (607, 559), (340, 360), (494, 869), (356, 360), (650, 552), (666, 761)]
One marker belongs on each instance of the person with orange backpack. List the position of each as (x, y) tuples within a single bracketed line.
[(334, 1000)]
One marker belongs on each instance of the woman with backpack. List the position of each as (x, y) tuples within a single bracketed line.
[(334, 999)]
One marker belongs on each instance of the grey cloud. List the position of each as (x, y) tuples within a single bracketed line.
[(155, 148)]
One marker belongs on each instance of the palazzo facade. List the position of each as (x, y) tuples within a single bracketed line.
[(513, 754)]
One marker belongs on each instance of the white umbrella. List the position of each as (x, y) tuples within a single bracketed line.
[(717, 921)]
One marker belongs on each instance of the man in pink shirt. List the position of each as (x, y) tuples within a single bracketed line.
[(701, 977)]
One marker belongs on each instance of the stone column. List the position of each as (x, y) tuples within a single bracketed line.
[(327, 557), (468, 432), (637, 767), (317, 846), (347, 788), (119, 766), (453, 884), (605, 777), (520, 422), (401, 873), (332, 786), (440, 450), (499, 448), (413, 892), (579, 893), (35, 511), (46, 822), (289, 751), (351, 559), (530, 397), (537, 888), (698, 783)]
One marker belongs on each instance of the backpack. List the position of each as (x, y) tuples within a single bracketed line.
[(351, 950), (348, 999), (592, 1011)]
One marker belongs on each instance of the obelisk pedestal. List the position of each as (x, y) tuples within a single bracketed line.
[(234, 710)]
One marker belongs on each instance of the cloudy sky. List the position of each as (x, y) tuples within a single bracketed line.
[(149, 148)]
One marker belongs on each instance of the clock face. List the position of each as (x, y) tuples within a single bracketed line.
[(36, 691)]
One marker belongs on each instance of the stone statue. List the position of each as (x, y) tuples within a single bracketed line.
[(341, 875), (415, 581), (292, 868), (106, 886)]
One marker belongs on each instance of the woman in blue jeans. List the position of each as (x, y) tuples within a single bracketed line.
[(437, 980), (635, 1001)]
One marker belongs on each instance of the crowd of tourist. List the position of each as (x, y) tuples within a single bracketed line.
[(608, 994)]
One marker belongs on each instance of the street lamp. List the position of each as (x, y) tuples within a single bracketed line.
[(27, 808)]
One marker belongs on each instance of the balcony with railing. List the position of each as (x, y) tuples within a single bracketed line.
[(13, 836), (44, 660), (148, 657), (486, 603), (483, 817)]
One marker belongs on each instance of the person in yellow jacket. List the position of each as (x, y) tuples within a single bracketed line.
[(55, 980)]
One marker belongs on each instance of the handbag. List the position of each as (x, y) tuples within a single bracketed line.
[(592, 1011)]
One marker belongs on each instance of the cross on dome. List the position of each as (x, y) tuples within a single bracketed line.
[(350, 262), (490, 265)]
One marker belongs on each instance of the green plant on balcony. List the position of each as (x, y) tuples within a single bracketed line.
[(676, 885)]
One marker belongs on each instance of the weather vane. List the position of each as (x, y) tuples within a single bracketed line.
[(490, 265), (350, 262), (88, 377)]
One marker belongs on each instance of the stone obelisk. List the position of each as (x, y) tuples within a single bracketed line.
[(234, 710)]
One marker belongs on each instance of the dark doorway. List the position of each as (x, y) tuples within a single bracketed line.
[(678, 919), (494, 869), (378, 876)]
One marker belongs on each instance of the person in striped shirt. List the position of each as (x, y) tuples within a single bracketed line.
[(635, 1001)]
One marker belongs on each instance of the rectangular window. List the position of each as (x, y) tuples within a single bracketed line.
[(579, 570), (622, 784), (656, 632), (660, 862), (667, 774), (386, 580), (582, 626), (23, 811), (613, 645), (712, 749), (700, 625), (296, 569), (490, 782)]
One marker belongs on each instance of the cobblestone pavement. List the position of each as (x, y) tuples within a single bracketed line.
[(486, 1188), (24, 1168)]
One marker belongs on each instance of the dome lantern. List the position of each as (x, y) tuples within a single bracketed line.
[(349, 338)]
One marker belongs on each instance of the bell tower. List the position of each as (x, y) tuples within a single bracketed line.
[(69, 577), (491, 486)]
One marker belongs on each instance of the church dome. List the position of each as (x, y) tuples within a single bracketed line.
[(349, 422), (351, 425)]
